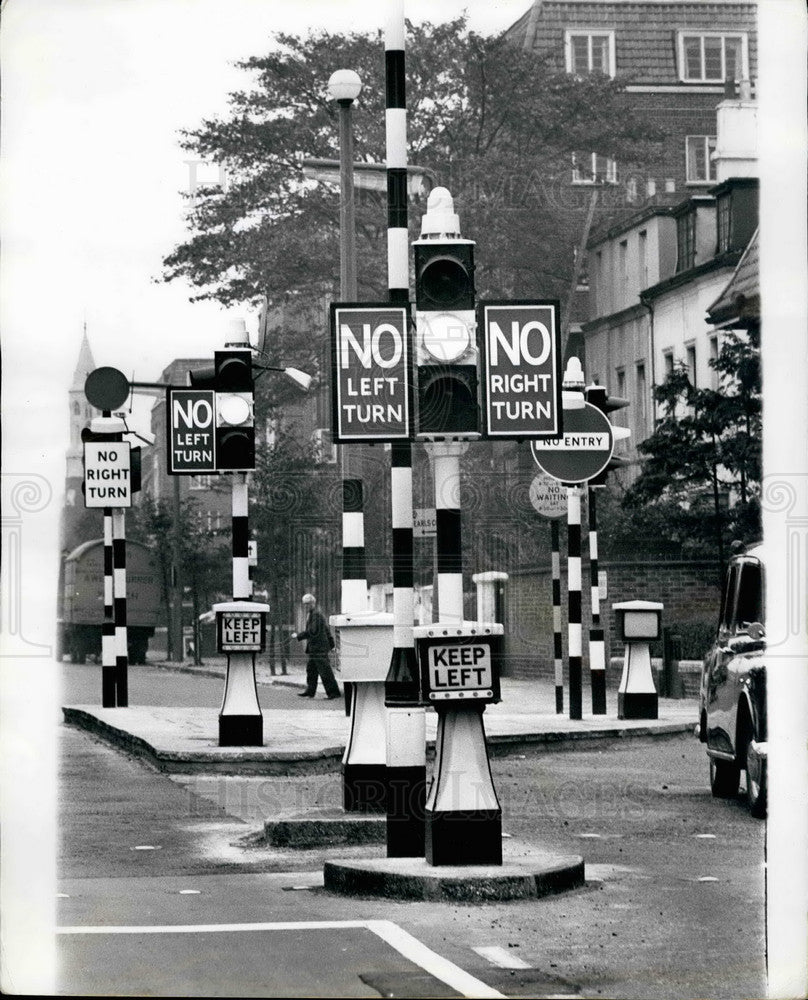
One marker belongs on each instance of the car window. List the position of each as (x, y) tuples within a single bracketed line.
[(728, 597), (749, 605)]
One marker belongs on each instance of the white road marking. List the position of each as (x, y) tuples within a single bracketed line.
[(146, 847), (190, 892), (501, 957), (589, 836), (708, 878), (403, 942), (705, 836)]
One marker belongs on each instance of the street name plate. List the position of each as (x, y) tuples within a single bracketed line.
[(240, 631), (107, 474), (460, 671)]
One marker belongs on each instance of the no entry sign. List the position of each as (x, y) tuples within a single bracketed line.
[(582, 452), (371, 376), (191, 424), (107, 474), (521, 369)]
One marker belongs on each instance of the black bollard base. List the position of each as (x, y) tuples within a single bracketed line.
[(638, 705), (364, 788), (472, 837), (241, 731), (598, 681), (406, 800)]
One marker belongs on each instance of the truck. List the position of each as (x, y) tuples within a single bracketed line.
[(732, 696), (83, 600)]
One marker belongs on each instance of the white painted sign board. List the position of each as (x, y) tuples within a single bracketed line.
[(107, 474)]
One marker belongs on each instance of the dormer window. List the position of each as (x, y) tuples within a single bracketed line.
[(712, 57), (589, 52), (686, 241), (592, 168)]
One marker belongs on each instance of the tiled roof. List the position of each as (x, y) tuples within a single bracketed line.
[(646, 31), (740, 300)]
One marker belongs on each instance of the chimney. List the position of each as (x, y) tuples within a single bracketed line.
[(736, 134)]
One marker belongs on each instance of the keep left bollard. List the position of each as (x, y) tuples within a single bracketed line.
[(240, 634), (639, 624)]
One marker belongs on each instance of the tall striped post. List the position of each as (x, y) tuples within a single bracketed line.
[(558, 654), (597, 646), (108, 671), (406, 720), (119, 605), (240, 719), (574, 637)]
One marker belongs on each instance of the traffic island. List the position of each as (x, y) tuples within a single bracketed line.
[(332, 828), (524, 874)]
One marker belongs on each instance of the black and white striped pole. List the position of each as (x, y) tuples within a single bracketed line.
[(597, 647), (558, 650), (406, 718), (119, 605), (573, 388), (108, 672)]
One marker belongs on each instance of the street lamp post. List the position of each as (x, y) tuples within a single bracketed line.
[(344, 87)]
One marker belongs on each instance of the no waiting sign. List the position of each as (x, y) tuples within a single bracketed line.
[(371, 373)]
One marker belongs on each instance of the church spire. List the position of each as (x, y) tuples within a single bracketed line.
[(85, 363)]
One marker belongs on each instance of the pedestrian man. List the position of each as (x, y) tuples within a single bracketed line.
[(319, 643)]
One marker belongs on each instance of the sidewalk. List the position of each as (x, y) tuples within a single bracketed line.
[(185, 740)]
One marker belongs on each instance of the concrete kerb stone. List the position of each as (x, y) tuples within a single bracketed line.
[(531, 877), (326, 830)]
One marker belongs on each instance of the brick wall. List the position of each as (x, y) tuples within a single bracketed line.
[(689, 591)]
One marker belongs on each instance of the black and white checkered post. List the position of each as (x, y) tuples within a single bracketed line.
[(558, 653), (574, 636), (119, 605), (406, 720), (108, 658), (597, 646)]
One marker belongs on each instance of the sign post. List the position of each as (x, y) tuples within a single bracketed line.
[(549, 498)]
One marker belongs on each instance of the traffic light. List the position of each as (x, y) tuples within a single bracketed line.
[(446, 352), (231, 380), (597, 396)]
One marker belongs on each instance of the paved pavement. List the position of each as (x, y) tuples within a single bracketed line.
[(313, 739)]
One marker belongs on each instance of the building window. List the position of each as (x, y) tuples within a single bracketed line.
[(698, 153), (203, 482), (589, 52), (642, 257), (642, 392), (714, 379), (685, 241), (724, 217), (592, 168), (712, 57), (667, 358), (690, 362)]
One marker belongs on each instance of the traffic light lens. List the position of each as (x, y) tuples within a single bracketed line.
[(445, 281)]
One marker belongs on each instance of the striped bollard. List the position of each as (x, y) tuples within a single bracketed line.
[(574, 636), (406, 719), (597, 645), (119, 605)]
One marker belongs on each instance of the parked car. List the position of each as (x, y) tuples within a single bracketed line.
[(732, 696)]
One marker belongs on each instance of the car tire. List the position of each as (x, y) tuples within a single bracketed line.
[(725, 778), (755, 787)]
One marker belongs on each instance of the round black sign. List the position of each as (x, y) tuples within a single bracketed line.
[(106, 388)]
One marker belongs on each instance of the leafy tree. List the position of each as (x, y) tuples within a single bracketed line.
[(206, 565), (701, 476), (493, 123)]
